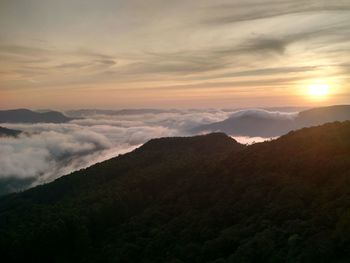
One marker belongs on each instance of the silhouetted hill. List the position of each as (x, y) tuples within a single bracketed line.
[(251, 125), (323, 115), (8, 132), (271, 124), (199, 199), (28, 116)]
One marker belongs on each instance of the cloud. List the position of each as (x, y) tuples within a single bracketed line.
[(47, 151), (255, 9), (33, 155), (264, 114), (159, 41), (213, 51), (251, 140)]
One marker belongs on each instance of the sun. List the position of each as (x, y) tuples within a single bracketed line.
[(319, 89)]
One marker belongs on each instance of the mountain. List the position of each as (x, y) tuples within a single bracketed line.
[(251, 123), (323, 115), (28, 116), (267, 124), (8, 132), (198, 199), (89, 112)]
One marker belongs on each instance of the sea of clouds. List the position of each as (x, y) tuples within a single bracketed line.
[(45, 152)]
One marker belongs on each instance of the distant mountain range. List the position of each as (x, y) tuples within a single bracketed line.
[(28, 116), (89, 112), (8, 132), (198, 199), (271, 124)]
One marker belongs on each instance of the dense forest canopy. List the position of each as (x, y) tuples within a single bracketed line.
[(198, 199)]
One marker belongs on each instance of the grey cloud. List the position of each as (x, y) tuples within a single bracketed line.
[(31, 50), (73, 65), (265, 72), (200, 61), (106, 61), (99, 63), (205, 40), (239, 85), (23, 50), (253, 10), (254, 45), (266, 44), (29, 55), (223, 57), (33, 155), (278, 45), (42, 67)]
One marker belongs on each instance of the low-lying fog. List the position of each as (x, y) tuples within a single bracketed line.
[(45, 152)]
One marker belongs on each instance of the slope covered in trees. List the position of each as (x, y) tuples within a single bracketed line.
[(199, 199)]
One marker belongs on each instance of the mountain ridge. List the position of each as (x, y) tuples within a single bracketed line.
[(267, 124), (172, 200), (29, 116)]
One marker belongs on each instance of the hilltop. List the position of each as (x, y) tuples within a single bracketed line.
[(198, 199)]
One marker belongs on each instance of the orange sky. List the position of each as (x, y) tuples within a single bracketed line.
[(122, 54)]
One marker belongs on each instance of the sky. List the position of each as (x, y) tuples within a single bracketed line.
[(71, 54)]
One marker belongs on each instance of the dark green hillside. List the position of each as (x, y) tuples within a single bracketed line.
[(199, 199)]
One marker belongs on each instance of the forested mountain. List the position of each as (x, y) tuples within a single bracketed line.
[(272, 124), (28, 116), (8, 132), (198, 199)]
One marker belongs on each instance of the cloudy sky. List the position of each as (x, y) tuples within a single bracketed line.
[(155, 53)]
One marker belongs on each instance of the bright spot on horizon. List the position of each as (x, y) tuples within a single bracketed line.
[(319, 89), (252, 140)]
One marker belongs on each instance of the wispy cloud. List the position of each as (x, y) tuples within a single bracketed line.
[(255, 9), (163, 44)]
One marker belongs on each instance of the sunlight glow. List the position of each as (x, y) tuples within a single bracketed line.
[(318, 89)]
